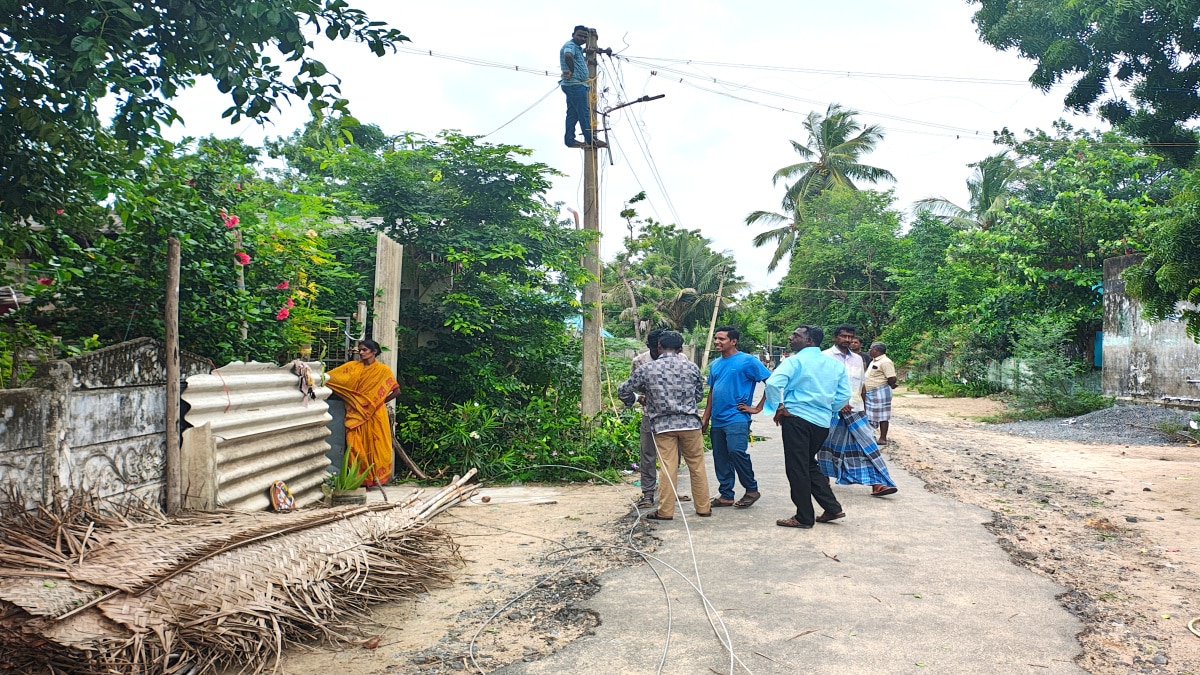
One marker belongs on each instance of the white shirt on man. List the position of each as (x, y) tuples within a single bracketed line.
[(855, 371)]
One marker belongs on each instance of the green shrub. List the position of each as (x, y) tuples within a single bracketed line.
[(939, 385), (1046, 379), (517, 443)]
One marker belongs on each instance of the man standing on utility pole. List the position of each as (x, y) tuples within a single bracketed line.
[(574, 83)]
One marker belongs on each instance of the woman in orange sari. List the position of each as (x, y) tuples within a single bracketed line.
[(366, 386)]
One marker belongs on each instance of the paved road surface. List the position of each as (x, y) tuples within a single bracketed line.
[(911, 583)]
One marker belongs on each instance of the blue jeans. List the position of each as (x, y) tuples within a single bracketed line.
[(578, 112), (730, 444)]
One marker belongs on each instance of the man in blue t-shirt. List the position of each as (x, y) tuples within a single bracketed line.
[(731, 381), (572, 61)]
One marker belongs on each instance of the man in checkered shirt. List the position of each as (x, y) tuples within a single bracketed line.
[(673, 387)]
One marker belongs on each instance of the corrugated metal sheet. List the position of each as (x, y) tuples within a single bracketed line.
[(263, 430)]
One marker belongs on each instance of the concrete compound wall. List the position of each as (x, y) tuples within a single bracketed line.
[(1151, 361), (93, 424)]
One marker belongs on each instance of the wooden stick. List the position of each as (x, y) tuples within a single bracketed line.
[(171, 322)]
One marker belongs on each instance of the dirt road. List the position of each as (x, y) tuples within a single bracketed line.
[(1118, 525)]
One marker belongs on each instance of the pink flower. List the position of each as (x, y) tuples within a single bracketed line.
[(290, 303), (242, 258), (282, 285), (45, 282), (282, 313), (231, 222), (58, 212)]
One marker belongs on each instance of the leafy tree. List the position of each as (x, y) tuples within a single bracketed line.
[(1081, 197), (1151, 47), (59, 58), (1170, 272), (239, 269), (851, 241), (923, 294), (495, 275)]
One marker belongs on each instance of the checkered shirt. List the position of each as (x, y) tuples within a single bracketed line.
[(673, 387)]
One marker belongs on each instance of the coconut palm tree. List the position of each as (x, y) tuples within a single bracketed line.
[(783, 236), (836, 141), (989, 186)]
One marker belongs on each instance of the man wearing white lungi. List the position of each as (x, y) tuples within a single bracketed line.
[(879, 382)]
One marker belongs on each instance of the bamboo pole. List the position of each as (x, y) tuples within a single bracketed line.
[(712, 325), (171, 348)]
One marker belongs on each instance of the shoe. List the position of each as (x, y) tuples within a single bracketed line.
[(577, 144), (657, 516), (748, 500), (599, 144), (792, 522), (828, 517), (880, 491), (646, 503), (718, 502), (704, 515)]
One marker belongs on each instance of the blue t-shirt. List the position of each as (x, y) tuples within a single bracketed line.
[(732, 379), (579, 73)]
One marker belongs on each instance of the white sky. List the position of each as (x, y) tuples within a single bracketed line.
[(715, 155)]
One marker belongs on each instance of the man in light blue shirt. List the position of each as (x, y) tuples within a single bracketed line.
[(572, 60), (731, 381), (804, 393)]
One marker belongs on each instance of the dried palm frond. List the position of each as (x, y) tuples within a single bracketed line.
[(96, 591)]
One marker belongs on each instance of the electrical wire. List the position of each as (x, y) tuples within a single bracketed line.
[(684, 75), (722, 633), (845, 73), (531, 107), (644, 146)]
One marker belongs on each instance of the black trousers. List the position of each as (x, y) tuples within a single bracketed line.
[(801, 441)]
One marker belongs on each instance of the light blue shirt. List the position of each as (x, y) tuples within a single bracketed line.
[(573, 53), (811, 385)]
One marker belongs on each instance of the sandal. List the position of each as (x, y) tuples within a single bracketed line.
[(646, 503), (880, 491), (717, 502), (792, 522), (706, 514), (684, 498), (829, 517), (657, 516), (748, 500)]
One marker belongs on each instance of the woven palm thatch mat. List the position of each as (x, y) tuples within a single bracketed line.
[(96, 589)]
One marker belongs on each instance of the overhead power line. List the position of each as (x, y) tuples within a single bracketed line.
[(842, 73), (685, 75)]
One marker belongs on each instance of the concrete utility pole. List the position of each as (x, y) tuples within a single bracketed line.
[(590, 397)]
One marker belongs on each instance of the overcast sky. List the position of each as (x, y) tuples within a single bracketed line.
[(714, 155)]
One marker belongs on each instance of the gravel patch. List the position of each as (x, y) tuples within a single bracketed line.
[(1131, 424)]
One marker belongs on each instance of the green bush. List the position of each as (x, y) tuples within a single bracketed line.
[(940, 385), (517, 443), (1046, 379)]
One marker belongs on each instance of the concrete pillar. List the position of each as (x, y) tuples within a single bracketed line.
[(388, 264)]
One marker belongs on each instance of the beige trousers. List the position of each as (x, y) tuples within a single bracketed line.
[(689, 444)]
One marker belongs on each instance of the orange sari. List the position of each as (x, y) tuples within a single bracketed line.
[(368, 437)]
